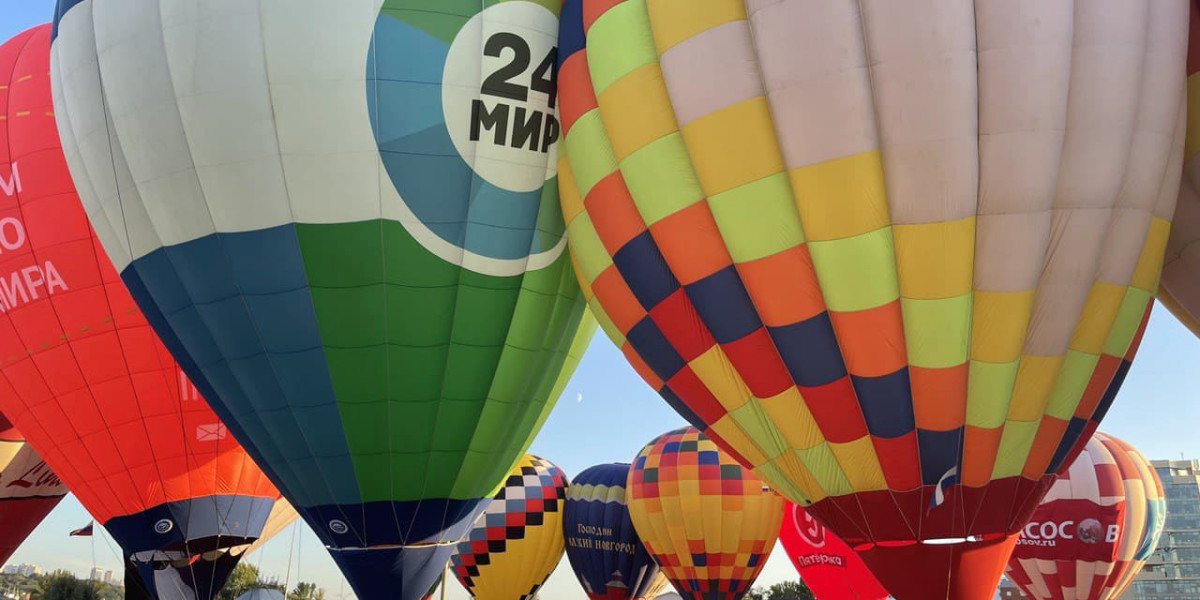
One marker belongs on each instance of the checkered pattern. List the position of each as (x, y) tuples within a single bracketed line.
[(707, 521), (1109, 472), (834, 330), (517, 541)]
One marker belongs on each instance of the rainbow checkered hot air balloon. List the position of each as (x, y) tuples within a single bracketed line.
[(889, 254), (342, 217), (709, 523)]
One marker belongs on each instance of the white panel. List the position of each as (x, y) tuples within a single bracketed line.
[(923, 72), (316, 55), (142, 106), (218, 81)]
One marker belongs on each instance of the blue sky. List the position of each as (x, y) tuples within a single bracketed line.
[(607, 413)]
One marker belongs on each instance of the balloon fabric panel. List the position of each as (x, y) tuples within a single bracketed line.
[(602, 545), (517, 541), (29, 490), (826, 564), (83, 375), (1180, 289), (709, 523), (383, 310), (855, 266)]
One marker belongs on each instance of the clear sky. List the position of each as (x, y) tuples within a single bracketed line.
[(607, 413)]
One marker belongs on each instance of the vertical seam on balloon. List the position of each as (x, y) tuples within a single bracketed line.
[(1113, 211), (29, 357), (318, 464), (218, 239)]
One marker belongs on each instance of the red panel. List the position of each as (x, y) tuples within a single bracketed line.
[(829, 567), (83, 375)]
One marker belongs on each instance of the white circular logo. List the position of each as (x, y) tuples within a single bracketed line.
[(810, 529), (499, 95), (164, 526), (338, 526)]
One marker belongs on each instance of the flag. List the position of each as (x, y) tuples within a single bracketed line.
[(939, 493), (85, 530)]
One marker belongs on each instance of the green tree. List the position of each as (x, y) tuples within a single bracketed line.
[(307, 591), (61, 585), (244, 577), (756, 593), (789, 590)]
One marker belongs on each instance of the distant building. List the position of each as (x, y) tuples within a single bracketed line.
[(25, 569), (97, 574), (1009, 591), (1173, 571), (108, 577)]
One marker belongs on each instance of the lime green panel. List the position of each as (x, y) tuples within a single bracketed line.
[(441, 374)]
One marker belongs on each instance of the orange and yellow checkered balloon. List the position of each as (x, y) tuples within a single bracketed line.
[(709, 522)]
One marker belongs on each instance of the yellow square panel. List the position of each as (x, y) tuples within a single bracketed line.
[(727, 429), (860, 464), (1096, 320), (637, 110), (677, 20), (1149, 266), (1036, 376), (998, 324), (791, 479), (568, 189), (733, 146), (824, 467), (719, 376), (935, 260), (842, 197), (793, 419)]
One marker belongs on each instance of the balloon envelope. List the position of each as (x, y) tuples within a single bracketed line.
[(1180, 289), (889, 255), (708, 522), (86, 379), (608, 557), (1086, 537), (517, 542), (342, 216), (826, 564), (29, 490)]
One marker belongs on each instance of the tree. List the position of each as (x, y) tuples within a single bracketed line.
[(307, 591), (756, 593), (61, 585), (244, 577), (789, 590)]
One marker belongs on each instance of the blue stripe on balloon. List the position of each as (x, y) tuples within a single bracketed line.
[(886, 403), (239, 304), (939, 452)]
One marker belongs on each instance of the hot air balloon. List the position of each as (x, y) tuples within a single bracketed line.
[(708, 521), (343, 218), (1143, 535), (826, 564), (518, 541), (1180, 287), (282, 516), (1085, 537), (29, 490), (605, 551), (877, 249), (86, 380)]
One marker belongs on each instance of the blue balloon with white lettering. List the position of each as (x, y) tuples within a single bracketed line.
[(605, 552)]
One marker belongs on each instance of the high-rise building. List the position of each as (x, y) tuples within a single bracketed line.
[(108, 576), (97, 574), (1173, 571)]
